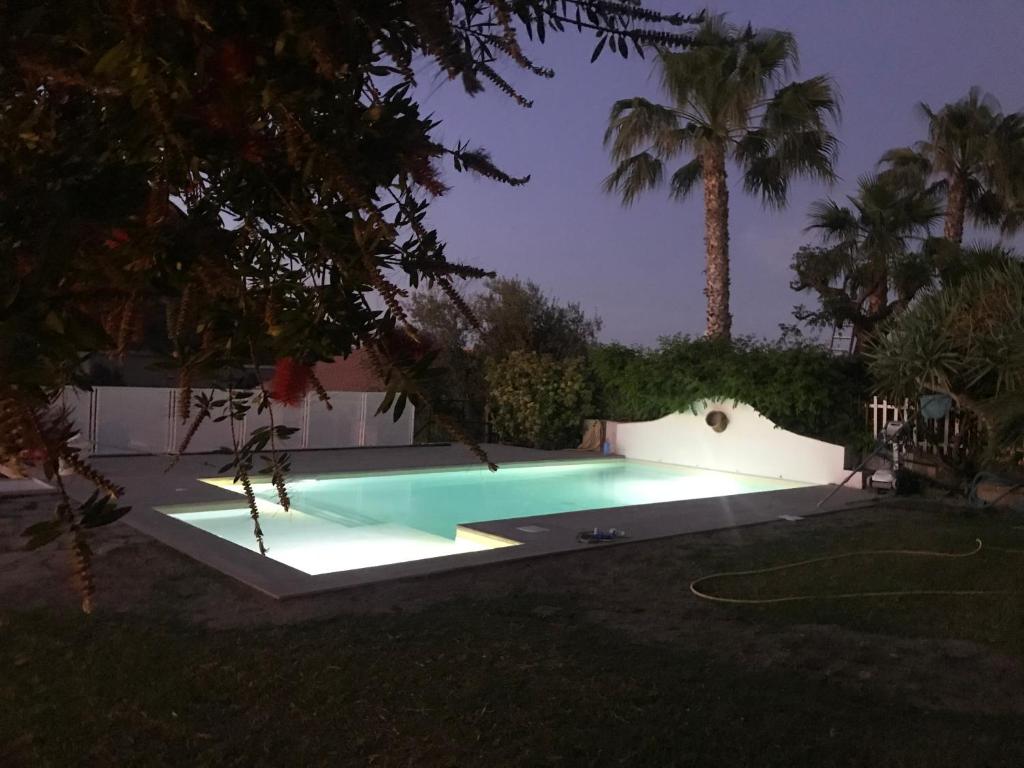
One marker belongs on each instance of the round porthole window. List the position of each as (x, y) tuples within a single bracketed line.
[(717, 420)]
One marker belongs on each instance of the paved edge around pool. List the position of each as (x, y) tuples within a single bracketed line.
[(557, 534)]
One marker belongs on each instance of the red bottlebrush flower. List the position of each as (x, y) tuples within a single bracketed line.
[(222, 119), (425, 174), (33, 455), (404, 347), (233, 62), (291, 381), (118, 237), (23, 264), (252, 150)]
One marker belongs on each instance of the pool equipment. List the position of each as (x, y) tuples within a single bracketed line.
[(934, 406), (891, 439), (889, 442)]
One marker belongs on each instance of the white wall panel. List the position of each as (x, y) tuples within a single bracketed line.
[(751, 444)]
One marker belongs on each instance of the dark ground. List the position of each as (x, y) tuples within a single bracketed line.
[(595, 658)]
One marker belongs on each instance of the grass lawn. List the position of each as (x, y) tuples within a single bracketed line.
[(618, 665)]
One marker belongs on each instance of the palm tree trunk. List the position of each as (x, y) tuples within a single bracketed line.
[(876, 297), (716, 242), (956, 209)]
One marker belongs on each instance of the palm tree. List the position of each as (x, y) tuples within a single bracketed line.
[(728, 101), (868, 254), (975, 155)]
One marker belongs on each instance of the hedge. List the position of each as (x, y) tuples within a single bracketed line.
[(801, 387), (537, 400)]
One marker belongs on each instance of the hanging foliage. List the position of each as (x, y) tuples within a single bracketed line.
[(261, 170)]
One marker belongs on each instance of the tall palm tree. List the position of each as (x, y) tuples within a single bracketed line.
[(869, 252), (728, 100), (975, 155)]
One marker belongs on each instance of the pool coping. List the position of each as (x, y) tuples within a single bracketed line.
[(224, 481), (558, 534)]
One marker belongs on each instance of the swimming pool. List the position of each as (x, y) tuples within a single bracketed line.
[(346, 522)]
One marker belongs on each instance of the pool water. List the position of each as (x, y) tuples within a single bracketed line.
[(356, 521)]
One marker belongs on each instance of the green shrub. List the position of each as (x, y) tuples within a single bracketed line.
[(800, 387), (537, 400), (967, 341), (512, 315)]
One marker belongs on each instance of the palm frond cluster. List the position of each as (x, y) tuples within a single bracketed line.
[(879, 249), (729, 98)]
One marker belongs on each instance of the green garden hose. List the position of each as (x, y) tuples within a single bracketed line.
[(848, 595), (981, 477)]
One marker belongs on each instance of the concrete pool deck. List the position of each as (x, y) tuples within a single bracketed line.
[(150, 485)]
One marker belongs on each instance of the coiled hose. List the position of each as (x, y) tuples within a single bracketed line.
[(848, 595), (983, 477)]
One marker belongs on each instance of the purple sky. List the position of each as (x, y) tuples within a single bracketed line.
[(640, 268)]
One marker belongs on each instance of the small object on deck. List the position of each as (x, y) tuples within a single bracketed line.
[(790, 518), (598, 536), (531, 529)]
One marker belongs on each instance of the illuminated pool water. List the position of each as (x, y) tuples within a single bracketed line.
[(356, 521)]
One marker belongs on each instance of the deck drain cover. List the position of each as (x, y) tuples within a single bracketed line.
[(531, 529)]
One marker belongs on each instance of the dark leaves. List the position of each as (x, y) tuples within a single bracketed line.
[(99, 510), (235, 173), (96, 511), (41, 534), (479, 161)]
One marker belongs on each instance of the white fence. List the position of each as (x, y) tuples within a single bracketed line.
[(145, 420), (943, 436)]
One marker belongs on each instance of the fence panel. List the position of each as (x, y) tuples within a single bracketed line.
[(79, 405), (129, 420), (340, 427), (284, 416), (945, 436), (211, 436), (145, 420), (383, 429)]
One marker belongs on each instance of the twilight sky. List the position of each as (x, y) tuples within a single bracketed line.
[(640, 268)]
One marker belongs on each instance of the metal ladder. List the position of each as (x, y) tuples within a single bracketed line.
[(843, 340)]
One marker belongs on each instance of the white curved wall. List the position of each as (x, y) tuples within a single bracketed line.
[(751, 444)]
